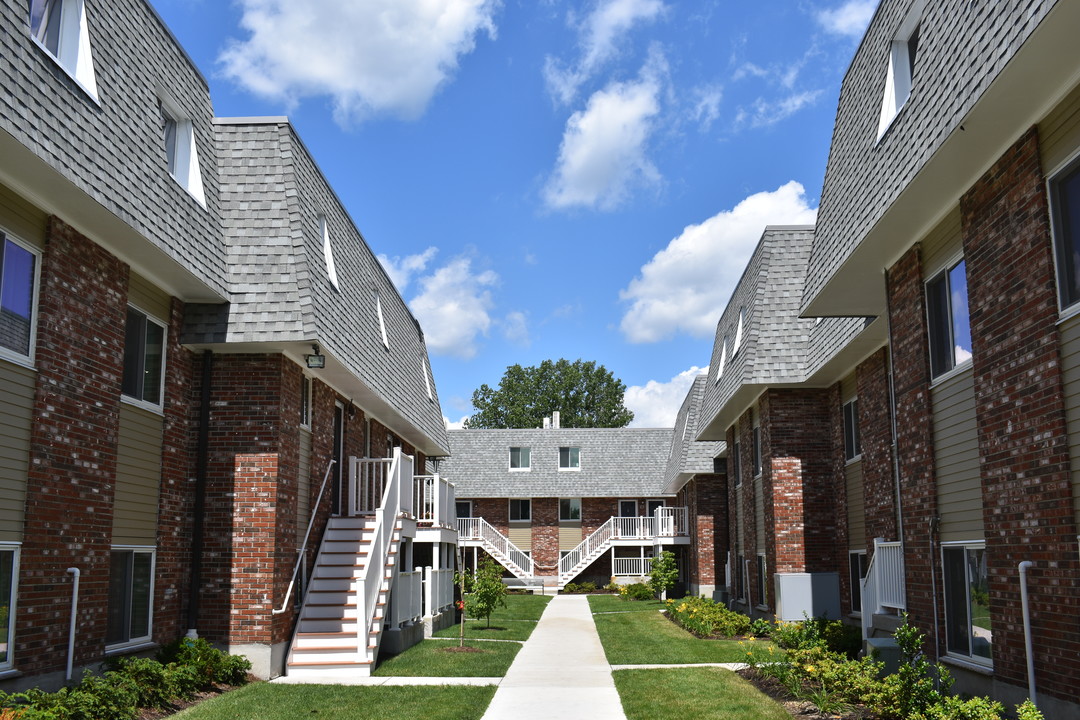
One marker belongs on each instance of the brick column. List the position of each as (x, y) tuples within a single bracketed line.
[(72, 473), (875, 434), (1023, 443), (545, 535)]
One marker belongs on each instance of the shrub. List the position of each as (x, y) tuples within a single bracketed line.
[(585, 587), (210, 665), (636, 591), (760, 628), (705, 618), (663, 573), (1027, 711), (832, 635), (612, 587), (910, 692), (152, 686)]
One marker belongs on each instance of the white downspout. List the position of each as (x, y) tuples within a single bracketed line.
[(74, 610), (1023, 568)]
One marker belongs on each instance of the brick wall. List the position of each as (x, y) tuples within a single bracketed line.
[(838, 476), (595, 512), (495, 510), (875, 434), (545, 535), (1027, 498), (705, 498), (914, 431), (73, 440)]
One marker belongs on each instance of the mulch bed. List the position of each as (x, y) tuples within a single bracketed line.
[(178, 705), (460, 649)]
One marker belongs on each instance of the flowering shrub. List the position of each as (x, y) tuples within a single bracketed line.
[(636, 591), (832, 635), (705, 618)]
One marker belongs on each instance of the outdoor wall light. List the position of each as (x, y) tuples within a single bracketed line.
[(315, 361)]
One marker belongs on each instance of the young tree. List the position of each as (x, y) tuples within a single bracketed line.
[(585, 394), (488, 591), (664, 573)]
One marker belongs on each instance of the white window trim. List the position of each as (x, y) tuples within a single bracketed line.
[(5, 353), (1070, 164), (898, 80), (427, 380), (736, 458), (526, 468), (763, 581), (145, 640), (738, 332), (857, 611), (723, 360), (973, 660), (569, 468), (628, 501), (187, 171), (9, 664), (518, 520), (470, 504), (73, 54), (943, 269), (158, 409), (758, 458)]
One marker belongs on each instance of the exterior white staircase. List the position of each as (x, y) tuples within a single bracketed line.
[(666, 522), (497, 545)]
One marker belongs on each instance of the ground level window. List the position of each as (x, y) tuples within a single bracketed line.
[(131, 595), (967, 602), (761, 581), (857, 572), (569, 509), (520, 509), (740, 578), (8, 568)]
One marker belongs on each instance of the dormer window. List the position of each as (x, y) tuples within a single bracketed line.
[(723, 359), (382, 323), (903, 55), (328, 252), (738, 332), (181, 155), (59, 27)]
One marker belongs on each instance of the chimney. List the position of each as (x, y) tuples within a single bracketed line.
[(547, 423), (555, 420)]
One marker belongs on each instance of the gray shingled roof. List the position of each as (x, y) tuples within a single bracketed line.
[(689, 457), (615, 462)]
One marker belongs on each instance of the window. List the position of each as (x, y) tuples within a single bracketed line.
[(18, 281), (628, 508), (738, 333), (761, 581), (382, 322), (740, 578), (9, 571), (736, 462), (900, 76), (967, 602), (427, 380), (852, 446), (651, 506), (569, 458), (519, 458), (131, 595), (305, 401), (857, 573), (1065, 215), (463, 508), (569, 509), (723, 359), (520, 510), (947, 318), (144, 358), (181, 155), (328, 257), (756, 440), (59, 26)]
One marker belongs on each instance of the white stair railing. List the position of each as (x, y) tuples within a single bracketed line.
[(591, 548), (367, 484), (891, 590), (408, 600), (497, 545)]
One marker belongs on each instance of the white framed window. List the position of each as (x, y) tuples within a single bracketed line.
[(569, 458), (738, 332), (762, 578), (19, 274), (144, 359), (1064, 191), (900, 76), (723, 359), (852, 444), (382, 322), (520, 510), (857, 566), (569, 509), (59, 27), (305, 402), (740, 578), (755, 438), (948, 325), (131, 596), (9, 578), (628, 508), (651, 506), (181, 154), (427, 380), (328, 255), (520, 458), (463, 508), (968, 631)]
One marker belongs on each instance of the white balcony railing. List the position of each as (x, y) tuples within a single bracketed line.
[(433, 501), (438, 590), (633, 567), (883, 588), (497, 545), (407, 605)]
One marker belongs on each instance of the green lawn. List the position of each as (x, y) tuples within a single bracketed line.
[(431, 658), (522, 607), (614, 603), (263, 701), (699, 693), (640, 638), (514, 622)]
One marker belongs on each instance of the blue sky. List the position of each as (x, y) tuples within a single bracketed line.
[(549, 179)]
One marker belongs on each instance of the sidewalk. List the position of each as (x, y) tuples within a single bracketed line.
[(561, 672)]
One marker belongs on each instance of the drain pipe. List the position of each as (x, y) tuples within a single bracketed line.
[(74, 616), (201, 461), (935, 522), (1023, 568)]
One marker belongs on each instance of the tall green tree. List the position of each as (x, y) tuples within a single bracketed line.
[(585, 395)]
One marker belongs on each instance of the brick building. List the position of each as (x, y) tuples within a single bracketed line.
[(192, 329)]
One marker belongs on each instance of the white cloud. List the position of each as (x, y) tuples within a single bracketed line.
[(453, 308), (401, 269), (685, 286), (515, 327), (599, 33), (656, 404), (849, 19), (368, 56), (764, 112), (603, 153), (707, 105), (451, 425)]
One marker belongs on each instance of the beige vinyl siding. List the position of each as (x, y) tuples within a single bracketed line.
[(856, 506), (759, 515), (138, 477), (22, 219), (848, 388), (521, 535), (942, 244), (569, 535), (956, 458), (144, 295), (303, 487), (1070, 365), (740, 523), (1059, 132), (16, 413)]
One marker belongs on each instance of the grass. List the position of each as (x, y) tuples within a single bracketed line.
[(614, 603), (431, 659), (263, 701), (514, 622), (640, 638), (699, 693)]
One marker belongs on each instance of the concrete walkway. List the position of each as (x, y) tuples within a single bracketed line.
[(561, 672)]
